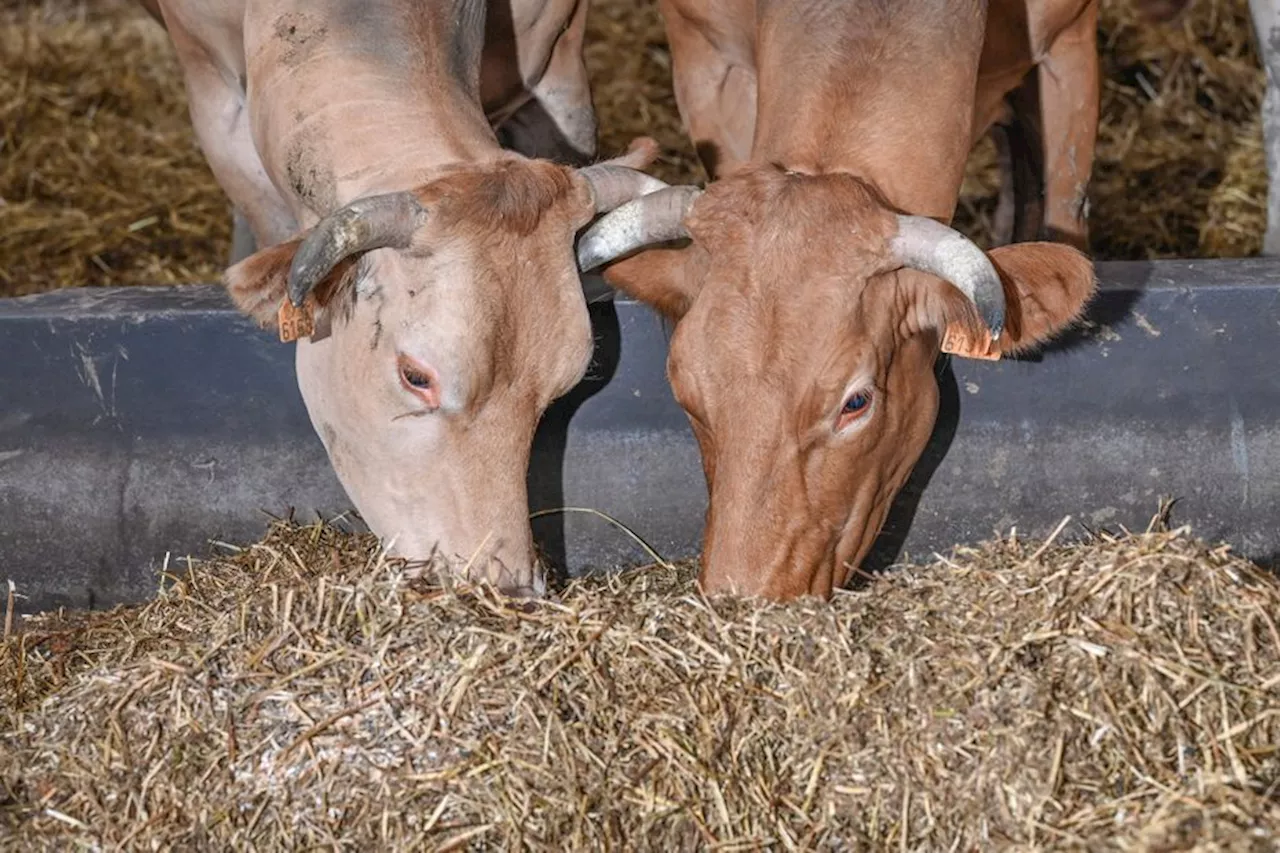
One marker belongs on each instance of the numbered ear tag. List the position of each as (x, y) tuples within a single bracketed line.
[(296, 322), (957, 342)]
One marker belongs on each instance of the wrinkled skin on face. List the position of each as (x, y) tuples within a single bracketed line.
[(440, 359), (804, 360)]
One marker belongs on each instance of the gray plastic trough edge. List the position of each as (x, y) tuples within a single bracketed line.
[(137, 423)]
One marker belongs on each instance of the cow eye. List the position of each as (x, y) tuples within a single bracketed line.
[(855, 406), (414, 378), (856, 403), (420, 380)]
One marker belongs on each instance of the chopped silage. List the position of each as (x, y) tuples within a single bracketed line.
[(1117, 694)]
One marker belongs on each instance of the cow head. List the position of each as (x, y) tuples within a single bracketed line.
[(808, 319), (451, 316)]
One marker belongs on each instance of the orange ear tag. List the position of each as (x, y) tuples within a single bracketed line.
[(296, 322), (957, 342)]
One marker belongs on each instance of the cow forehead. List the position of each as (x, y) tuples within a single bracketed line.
[(481, 314), (752, 353), (770, 207), (794, 268), (477, 287), (775, 308)]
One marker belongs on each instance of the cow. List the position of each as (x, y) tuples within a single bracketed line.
[(1044, 123), (533, 86), (813, 283), (427, 273)]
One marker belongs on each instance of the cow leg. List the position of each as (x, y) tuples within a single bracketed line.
[(1004, 218), (564, 90), (221, 123), (716, 95), (559, 121), (1266, 24), (243, 243), (1019, 142), (1069, 103)]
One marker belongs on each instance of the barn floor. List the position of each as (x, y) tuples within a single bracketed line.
[(101, 182)]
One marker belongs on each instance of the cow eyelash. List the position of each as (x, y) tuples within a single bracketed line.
[(415, 378), (856, 406)]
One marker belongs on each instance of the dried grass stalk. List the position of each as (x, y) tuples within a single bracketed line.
[(1118, 694), (101, 182)]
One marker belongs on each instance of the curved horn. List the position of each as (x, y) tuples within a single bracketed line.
[(612, 185), (368, 223), (654, 218), (929, 246)]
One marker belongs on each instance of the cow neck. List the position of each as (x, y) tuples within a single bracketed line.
[(351, 120), (883, 93), (346, 150)]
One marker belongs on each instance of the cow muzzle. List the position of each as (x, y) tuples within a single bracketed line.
[(506, 561)]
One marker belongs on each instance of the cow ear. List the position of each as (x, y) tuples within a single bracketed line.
[(1046, 287), (667, 280), (258, 284)]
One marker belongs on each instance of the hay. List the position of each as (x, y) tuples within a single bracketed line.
[(1179, 170), (630, 67), (101, 182), (1178, 102), (1236, 210), (1123, 693)]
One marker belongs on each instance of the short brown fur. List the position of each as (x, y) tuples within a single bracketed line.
[(788, 302), (509, 195)]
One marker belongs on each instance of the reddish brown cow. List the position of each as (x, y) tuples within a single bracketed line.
[(1045, 162), (820, 279), (353, 136)]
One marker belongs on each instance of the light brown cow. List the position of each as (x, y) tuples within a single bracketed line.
[(533, 85), (353, 136), (820, 278)]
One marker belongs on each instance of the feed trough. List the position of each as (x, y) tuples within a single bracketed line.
[(140, 425), (294, 688)]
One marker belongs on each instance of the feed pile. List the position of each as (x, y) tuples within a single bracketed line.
[(1123, 693)]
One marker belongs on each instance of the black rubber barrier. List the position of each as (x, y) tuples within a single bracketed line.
[(137, 423)]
